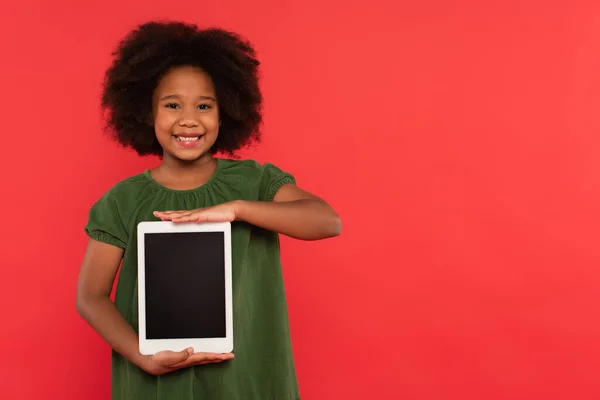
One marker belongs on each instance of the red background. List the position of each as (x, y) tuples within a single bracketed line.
[(457, 139)]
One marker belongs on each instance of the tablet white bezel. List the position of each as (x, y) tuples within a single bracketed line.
[(211, 345)]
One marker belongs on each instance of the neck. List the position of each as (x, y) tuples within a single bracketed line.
[(183, 175), (176, 165)]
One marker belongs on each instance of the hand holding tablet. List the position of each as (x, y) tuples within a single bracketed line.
[(167, 361), (225, 212)]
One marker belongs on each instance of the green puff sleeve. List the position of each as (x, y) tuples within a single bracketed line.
[(105, 223), (273, 178)]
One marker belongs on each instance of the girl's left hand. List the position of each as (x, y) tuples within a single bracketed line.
[(226, 212)]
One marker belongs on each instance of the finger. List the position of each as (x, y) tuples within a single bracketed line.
[(204, 358), (165, 215), (209, 217), (210, 357), (168, 217), (189, 213), (198, 357), (169, 213), (182, 217), (194, 217), (172, 214), (187, 364), (194, 360), (213, 361)]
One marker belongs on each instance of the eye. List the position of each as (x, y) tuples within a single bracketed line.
[(204, 107), (172, 105)]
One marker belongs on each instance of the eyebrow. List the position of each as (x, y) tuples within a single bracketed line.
[(175, 96)]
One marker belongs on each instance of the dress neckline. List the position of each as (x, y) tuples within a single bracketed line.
[(200, 188)]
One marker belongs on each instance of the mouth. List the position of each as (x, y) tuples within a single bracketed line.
[(188, 140)]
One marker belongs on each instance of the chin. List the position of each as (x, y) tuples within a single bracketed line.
[(189, 157)]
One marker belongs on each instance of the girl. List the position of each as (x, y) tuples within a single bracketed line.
[(185, 95)]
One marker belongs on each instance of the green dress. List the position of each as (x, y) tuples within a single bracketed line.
[(263, 367)]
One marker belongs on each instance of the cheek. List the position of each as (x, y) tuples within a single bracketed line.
[(211, 123), (163, 121)]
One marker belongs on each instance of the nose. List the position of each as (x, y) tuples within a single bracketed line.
[(188, 121)]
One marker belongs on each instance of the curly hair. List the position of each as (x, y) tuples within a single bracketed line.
[(147, 53)]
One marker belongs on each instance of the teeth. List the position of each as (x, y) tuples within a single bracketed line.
[(188, 139)]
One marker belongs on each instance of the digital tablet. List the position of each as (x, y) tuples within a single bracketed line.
[(184, 287)]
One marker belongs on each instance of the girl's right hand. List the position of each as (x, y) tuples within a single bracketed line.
[(167, 361)]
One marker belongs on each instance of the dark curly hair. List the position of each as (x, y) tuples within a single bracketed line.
[(151, 50)]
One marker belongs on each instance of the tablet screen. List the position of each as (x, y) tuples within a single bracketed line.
[(185, 285)]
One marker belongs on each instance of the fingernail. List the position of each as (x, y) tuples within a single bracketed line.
[(190, 351)]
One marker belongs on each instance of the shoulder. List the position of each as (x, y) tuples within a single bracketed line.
[(264, 178), (250, 167), (245, 164), (126, 195), (107, 218), (136, 186), (110, 216)]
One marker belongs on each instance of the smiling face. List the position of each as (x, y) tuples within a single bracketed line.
[(185, 114)]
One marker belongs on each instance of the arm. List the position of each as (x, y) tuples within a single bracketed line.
[(98, 271), (293, 212)]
